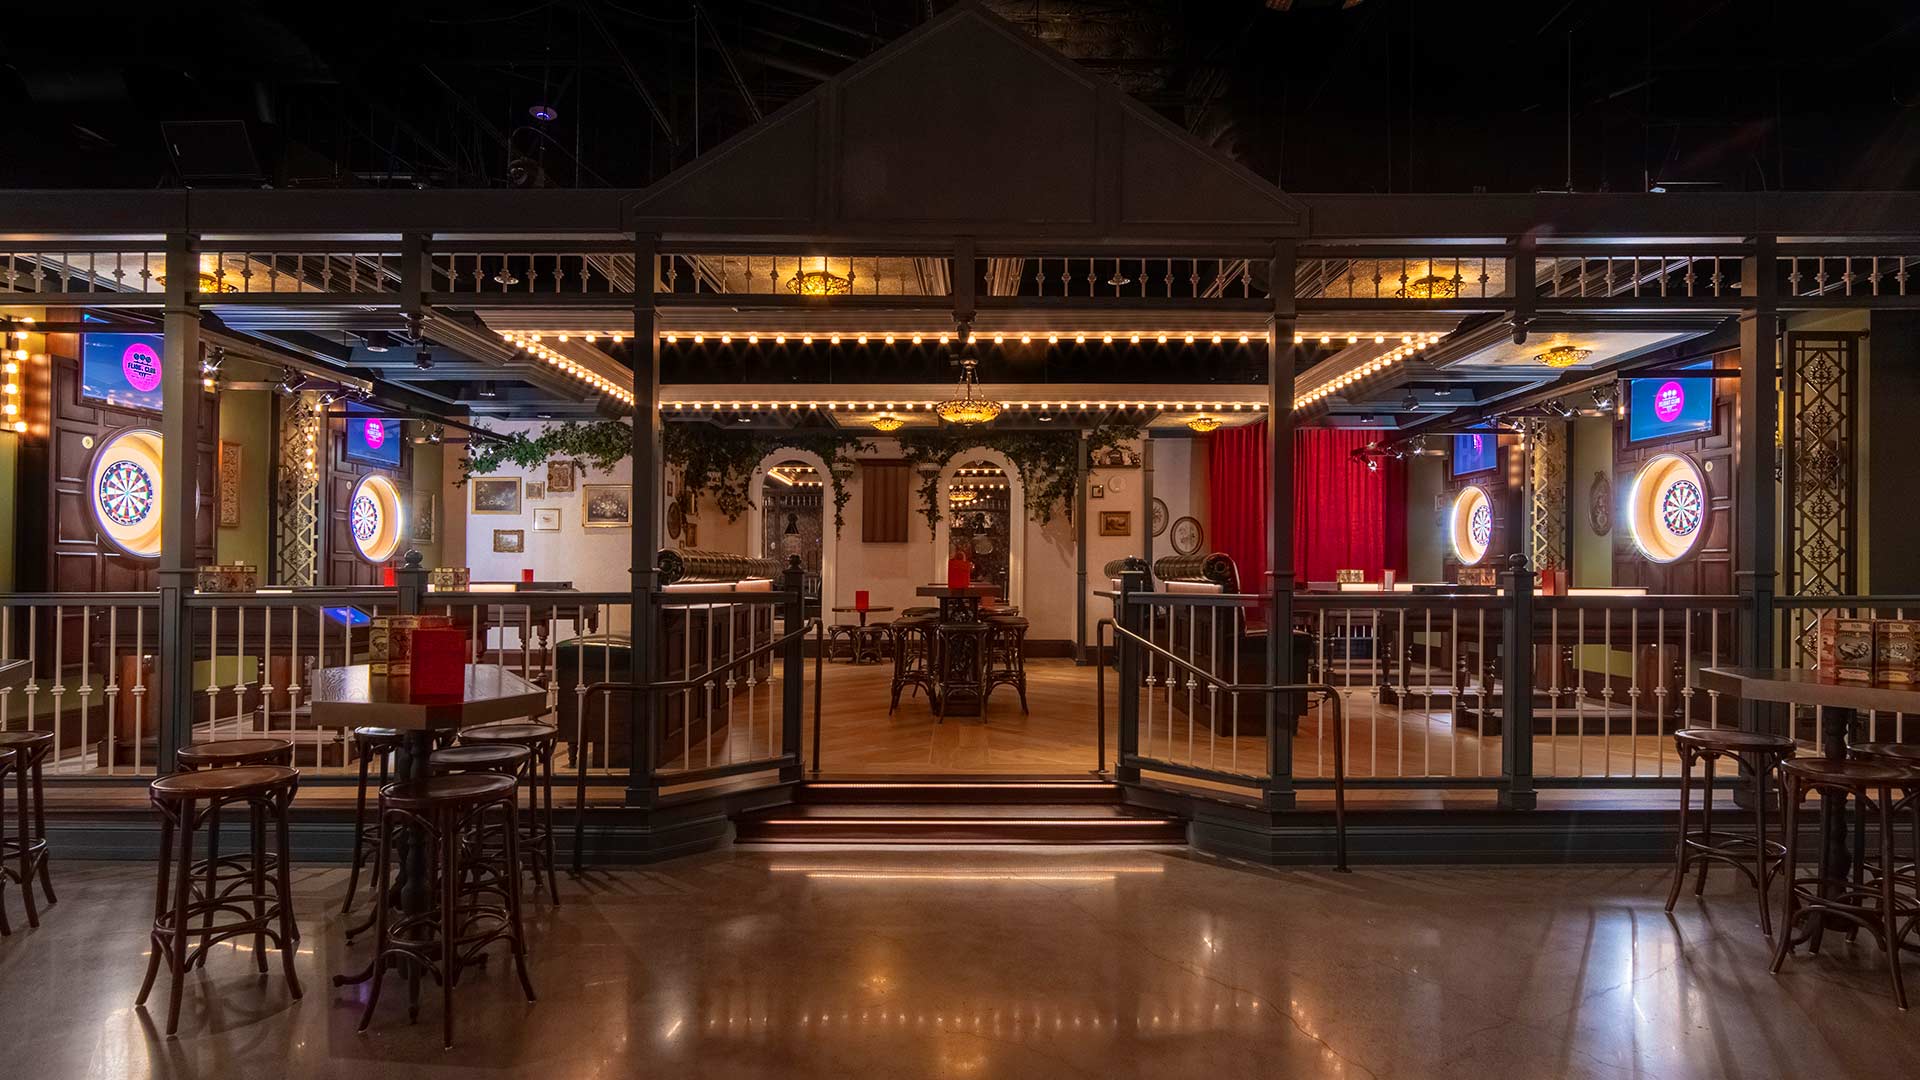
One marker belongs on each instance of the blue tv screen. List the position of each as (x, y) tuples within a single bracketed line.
[(1475, 453), (1663, 408), (371, 440), (121, 369)]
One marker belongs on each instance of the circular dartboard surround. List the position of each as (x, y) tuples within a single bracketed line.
[(1470, 525), (1667, 507), (123, 488), (376, 518)]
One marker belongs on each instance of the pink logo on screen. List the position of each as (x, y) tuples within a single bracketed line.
[(1476, 445), (1667, 401), (376, 434), (141, 365)]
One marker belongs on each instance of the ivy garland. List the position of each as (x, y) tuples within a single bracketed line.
[(1049, 462), (723, 461)]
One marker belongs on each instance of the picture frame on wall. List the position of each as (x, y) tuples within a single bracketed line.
[(546, 519), (690, 537), (1116, 523), (606, 506), (420, 518), (1187, 536), (510, 541), (559, 477), (229, 472), (1096, 491), (1160, 517), (536, 489), (494, 495)]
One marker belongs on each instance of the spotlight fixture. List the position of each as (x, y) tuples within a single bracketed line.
[(377, 341), (423, 360), (1603, 397), (1410, 402), (1563, 356), (1204, 424), (487, 390)]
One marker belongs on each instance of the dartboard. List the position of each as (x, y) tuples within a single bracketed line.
[(1480, 525), (1680, 507), (126, 493), (365, 517)]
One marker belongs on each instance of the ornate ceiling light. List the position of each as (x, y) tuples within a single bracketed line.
[(887, 422), (1430, 287), (967, 409), (962, 496), (1563, 356), (1204, 424), (208, 283), (819, 283)]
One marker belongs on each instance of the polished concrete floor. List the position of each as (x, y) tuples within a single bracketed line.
[(1037, 963)]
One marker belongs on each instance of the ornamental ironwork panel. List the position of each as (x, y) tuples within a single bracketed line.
[(1820, 435), (1547, 494), (296, 554)]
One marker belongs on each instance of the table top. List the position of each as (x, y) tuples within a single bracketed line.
[(1798, 686), (14, 673), (352, 696), (869, 607), (945, 592)]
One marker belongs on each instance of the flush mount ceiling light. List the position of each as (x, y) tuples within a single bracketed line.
[(1563, 356), (887, 422), (1430, 287), (1204, 424)]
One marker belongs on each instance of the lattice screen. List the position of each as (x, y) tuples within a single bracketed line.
[(1547, 494), (297, 552)]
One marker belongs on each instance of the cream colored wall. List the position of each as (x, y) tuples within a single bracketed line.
[(246, 418), (594, 560), (453, 507)]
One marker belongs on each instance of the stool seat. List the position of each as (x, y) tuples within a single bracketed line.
[(1819, 770), (1733, 739), (227, 753), (518, 731), (1902, 753), (481, 756), (378, 735), (221, 783), (444, 790), (28, 741)]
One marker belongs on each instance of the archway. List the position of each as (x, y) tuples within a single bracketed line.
[(1016, 517), (757, 515)]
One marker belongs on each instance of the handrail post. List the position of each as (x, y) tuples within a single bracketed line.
[(1133, 579), (1516, 702), (793, 672), (411, 580), (180, 429)]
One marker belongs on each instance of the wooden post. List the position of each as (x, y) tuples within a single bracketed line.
[(1133, 579), (648, 476), (1756, 513), (1080, 554), (1281, 359), (182, 404), (793, 676)]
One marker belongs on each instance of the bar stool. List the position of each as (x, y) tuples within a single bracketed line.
[(1754, 856), (912, 657), (214, 872), (536, 829), (844, 636), (461, 923), (1906, 875), (506, 759), (1880, 909), (368, 743), (1006, 656), (253, 904), (23, 856), (960, 664), (7, 758)]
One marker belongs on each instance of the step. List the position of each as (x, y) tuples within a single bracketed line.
[(960, 792), (1009, 823)]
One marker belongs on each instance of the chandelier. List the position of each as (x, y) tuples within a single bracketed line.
[(1563, 356), (967, 409), (1204, 424), (208, 283), (1430, 287), (819, 283), (887, 422), (962, 495)]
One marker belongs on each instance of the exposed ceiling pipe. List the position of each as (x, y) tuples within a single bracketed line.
[(726, 61), (592, 10)]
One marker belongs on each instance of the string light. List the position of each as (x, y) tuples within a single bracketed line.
[(891, 336)]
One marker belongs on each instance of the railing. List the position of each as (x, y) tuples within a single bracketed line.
[(85, 682), (823, 278), (1121, 277), (728, 713), (1641, 275), (64, 270), (1431, 278)]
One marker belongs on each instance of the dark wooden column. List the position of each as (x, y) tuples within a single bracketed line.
[(1756, 510), (1281, 322), (648, 475), (1080, 553), (182, 402)]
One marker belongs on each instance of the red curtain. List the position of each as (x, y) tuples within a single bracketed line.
[(1345, 516)]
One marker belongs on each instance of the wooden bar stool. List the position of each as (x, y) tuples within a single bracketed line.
[(1757, 857), (7, 758), (960, 664), (506, 759), (1006, 656), (214, 873), (23, 856), (1906, 875), (368, 743), (1880, 909), (473, 906), (252, 904), (912, 656), (536, 829)]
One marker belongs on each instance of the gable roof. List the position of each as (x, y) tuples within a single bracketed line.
[(967, 126)]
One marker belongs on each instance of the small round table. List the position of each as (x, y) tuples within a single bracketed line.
[(864, 638)]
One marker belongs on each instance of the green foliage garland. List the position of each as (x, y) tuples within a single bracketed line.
[(1048, 461)]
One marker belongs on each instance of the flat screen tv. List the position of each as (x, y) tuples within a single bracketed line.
[(121, 369), (1476, 452), (1668, 408), (371, 440)]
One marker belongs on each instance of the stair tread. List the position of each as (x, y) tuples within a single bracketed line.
[(942, 811)]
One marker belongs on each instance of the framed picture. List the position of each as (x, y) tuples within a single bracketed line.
[(496, 495), (1159, 520), (1096, 491), (536, 489), (1116, 523), (510, 541), (606, 506), (420, 523), (690, 536), (559, 477), (1187, 535), (546, 519), (229, 470), (676, 520)]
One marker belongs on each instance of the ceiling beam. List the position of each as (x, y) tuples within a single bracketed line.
[(592, 9)]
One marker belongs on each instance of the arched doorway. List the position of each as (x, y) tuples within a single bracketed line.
[(991, 517), (790, 490)]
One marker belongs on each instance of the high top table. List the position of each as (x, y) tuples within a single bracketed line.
[(352, 696), (962, 655)]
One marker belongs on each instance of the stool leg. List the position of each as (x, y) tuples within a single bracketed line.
[(154, 948), (1706, 823), (283, 885), (22, 820), (359, 834), (6, 928), (40, 821), (449, 916), (177, 963), (519, 937), (1680, 848), (1789, 787), (1889, 917), (257, 842), (546, 792), (381, 901), (579, 798), (1760, 879)]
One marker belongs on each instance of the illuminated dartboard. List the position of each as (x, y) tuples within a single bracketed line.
[(1480, 527), (1680, 507), (1470, 525), (125, 493), (365, 517)]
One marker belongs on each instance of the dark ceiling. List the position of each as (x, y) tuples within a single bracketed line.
[(1320, 95)]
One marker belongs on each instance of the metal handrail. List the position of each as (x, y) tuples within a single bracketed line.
[(691, 683), (1330, 693)]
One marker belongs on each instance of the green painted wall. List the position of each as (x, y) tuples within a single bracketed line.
[(246, 417), (429, 469), (1591, 449), (9, 499)]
